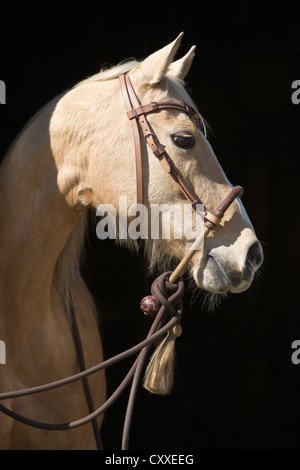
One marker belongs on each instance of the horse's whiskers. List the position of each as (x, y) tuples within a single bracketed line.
[(212, 300), (209, 301)]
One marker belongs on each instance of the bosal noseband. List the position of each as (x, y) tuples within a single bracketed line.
[(165, 303)]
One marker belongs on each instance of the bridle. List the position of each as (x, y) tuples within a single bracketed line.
[(137, 114), (168, 288)]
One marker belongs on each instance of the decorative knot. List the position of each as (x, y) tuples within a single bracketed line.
[(166, 299), (164, 294)]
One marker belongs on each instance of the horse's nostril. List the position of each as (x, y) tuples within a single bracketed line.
[(254, 257)]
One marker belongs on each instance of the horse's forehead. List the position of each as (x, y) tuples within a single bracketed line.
[(167, 89), (173, 119)]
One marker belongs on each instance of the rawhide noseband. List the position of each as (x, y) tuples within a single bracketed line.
[(165, 304)]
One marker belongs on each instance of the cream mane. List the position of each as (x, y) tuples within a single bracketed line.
[(67, 272), (173, 86), (111, 72)]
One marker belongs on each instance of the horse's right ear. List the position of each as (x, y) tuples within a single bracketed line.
[(180, 68), (154, 67)]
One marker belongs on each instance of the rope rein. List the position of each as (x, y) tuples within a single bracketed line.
[(174, 294), (165, 306)]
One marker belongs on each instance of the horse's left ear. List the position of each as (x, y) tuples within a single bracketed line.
[(155, 66), (180, 68)]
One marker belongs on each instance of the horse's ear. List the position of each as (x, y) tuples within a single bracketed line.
[(155, 66), (180, 68)]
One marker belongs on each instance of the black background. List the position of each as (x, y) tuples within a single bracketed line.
[(236, 387)]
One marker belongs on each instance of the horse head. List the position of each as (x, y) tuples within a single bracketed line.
[(92, 139), (79, 151)]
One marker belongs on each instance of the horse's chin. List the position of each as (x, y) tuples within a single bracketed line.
[(216, 279)]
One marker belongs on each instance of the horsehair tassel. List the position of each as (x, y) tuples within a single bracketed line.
[(159, 376)]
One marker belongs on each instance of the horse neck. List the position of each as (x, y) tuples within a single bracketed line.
[(39, 231)]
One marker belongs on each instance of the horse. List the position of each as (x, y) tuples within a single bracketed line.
[(75, 154)]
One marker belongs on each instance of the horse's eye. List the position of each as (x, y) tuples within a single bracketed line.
[(183, 141)]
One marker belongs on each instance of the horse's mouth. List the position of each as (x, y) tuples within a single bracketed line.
[(217, 279)]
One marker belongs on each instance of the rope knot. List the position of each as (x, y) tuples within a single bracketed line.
[(159, 375), (164, 294)]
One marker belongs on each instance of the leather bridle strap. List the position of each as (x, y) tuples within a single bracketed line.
[(130, 103), (136, 113)]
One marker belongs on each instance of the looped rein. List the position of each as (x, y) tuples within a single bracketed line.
[(172, 304), (157, 306)]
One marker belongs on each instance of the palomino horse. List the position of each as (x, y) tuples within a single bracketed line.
[(78, 152)]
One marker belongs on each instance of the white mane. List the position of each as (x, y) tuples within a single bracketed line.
[(110, 73)]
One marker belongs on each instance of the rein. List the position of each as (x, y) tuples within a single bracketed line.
[(165, 303), (157, 330)]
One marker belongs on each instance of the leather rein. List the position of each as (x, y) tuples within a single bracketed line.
[(169, 293)]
